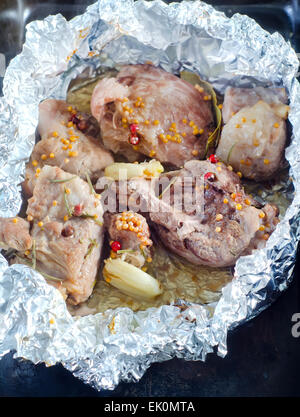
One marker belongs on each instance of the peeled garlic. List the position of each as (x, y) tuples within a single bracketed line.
[(130, 279), (122, 170)]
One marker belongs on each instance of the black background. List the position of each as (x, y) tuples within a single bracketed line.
[(263, 357)]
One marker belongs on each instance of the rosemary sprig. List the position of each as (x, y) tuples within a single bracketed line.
[(69, 211), (62, 181), (44, 274), (143, 253), (126, 251), (91, 216), (230, 151), (91, 246), (89, 183), (173, 180), (33, 254)]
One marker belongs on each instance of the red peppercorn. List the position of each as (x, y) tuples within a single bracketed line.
[(74, 119), (77, 210), (115, 246), (82, 125), (134, 140), (133, 128), (209, 176), (238, 198), (213, 159), (67, 231)]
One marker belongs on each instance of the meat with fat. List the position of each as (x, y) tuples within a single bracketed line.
[(66, 233), (69, 140), (131, 232), (204, 214), (254, 137), (146, 110)]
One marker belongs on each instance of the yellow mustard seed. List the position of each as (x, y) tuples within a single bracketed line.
[(44, 157), (51, 155), (15, 220), (35, 163), (40, 224)]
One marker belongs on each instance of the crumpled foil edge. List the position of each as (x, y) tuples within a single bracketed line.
[(119, 345)]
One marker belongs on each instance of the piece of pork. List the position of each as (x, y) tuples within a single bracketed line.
[(131, 230), (204, 214), (66, 142), (14, 234), (236, 99), (67, 230), (253, 141), (146, 110)]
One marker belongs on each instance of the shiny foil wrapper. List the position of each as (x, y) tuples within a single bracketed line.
[(119, 345)]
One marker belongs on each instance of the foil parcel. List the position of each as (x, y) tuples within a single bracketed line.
[(120, 343)]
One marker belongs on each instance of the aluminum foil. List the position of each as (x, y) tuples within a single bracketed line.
[(119, 345)]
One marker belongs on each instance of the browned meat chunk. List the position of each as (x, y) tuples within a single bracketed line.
[(67, 232), (131, 231), (14, 233), (66, 142), (150, 111), (204, 214), (254, 137), (236, 99)]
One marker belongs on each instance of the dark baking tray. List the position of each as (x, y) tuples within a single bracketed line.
[(263, 358)]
